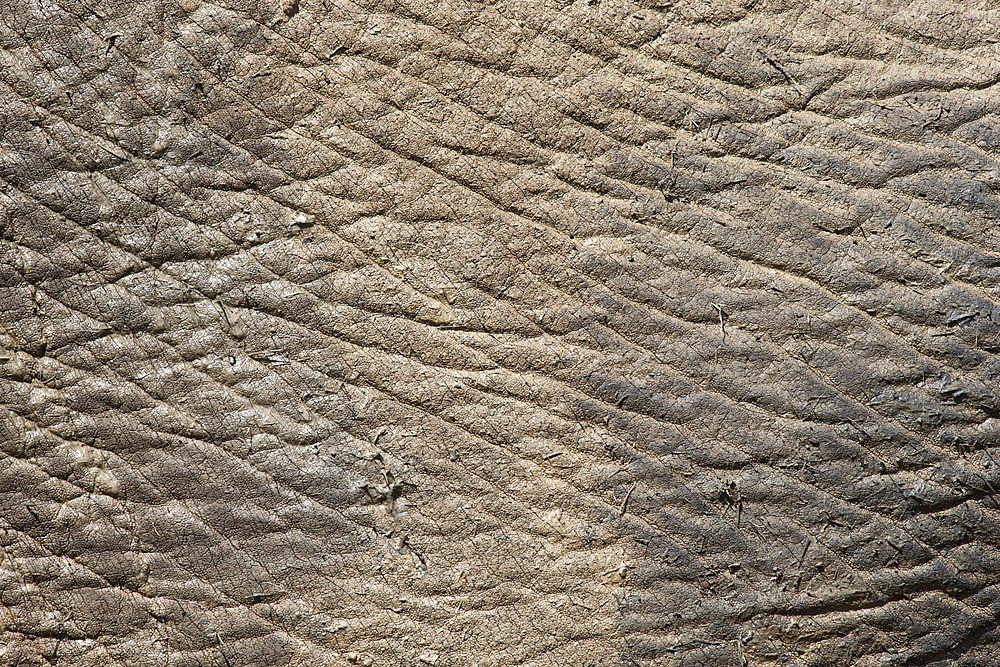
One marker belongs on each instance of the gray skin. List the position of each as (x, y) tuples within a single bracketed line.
[(523, 333)]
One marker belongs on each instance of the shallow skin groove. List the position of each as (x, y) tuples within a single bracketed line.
[(515, 333)]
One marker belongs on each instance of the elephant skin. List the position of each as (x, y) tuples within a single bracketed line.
[(605, 332)]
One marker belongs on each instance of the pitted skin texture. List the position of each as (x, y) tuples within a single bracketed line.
[(406, 332)]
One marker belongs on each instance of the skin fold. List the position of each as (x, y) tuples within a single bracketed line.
[(602, 332)]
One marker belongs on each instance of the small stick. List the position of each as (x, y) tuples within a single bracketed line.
[(803, 556), (722, 319), (627, 496)]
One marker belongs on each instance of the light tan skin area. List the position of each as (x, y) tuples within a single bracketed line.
[(523, 333)]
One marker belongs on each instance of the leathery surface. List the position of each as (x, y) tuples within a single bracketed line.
[(511, 333)]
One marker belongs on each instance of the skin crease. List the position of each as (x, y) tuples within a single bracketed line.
[(513, 333)]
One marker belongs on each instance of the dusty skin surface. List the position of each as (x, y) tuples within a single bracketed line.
[(514, 333)]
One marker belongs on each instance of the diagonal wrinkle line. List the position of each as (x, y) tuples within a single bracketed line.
[(135, 591), (201, 521), (483, 435), (180, 191), (826, 118), (176, 277), (160, 401), (689, 377), (770, 164), (450, 179), (424, 163), (454, 99), (885, 516), (229, 389), (276, 482), (872, 454), (640, 306)]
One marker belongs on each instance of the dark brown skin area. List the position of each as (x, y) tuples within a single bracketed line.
[(514, 333)]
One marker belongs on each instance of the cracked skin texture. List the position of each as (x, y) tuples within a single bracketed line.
[(602, 332)]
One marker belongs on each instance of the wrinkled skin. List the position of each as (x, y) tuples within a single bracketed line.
[(450, 333)]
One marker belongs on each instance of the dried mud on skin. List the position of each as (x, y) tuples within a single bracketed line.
[(521, 333)]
